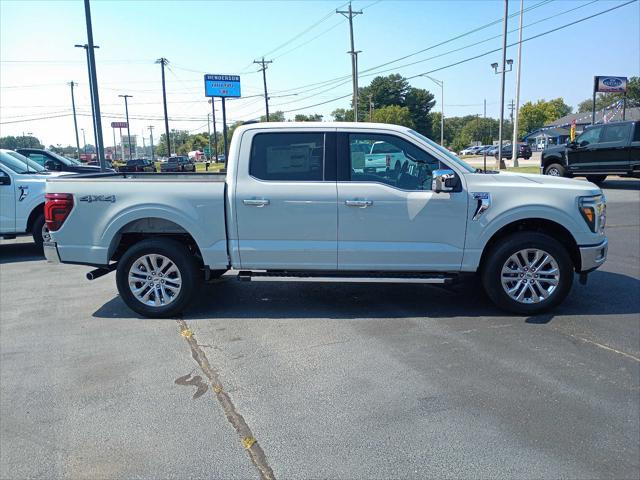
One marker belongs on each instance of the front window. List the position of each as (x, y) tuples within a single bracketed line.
[(295, 156), (589, 136), (399, 163), (19, 163), (451, 156)]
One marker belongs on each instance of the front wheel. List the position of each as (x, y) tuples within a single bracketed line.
[(555, 170), (158, 277), (527, 273)]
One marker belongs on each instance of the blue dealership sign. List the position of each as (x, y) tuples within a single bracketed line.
[(221, 85)]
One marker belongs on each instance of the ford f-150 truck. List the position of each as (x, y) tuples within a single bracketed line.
[(293, 207)]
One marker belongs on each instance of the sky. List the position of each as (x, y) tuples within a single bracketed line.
[(307, 42)]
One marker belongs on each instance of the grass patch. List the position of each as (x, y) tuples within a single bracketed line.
[(527, 169)]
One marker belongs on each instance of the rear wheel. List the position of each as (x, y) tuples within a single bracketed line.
[(555, 170), (40, 232), (158, 277), (597, 179), (527, 273)]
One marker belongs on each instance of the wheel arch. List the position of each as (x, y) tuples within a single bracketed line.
[(149, 227), (35, 213), (555, 158), (538, 225)]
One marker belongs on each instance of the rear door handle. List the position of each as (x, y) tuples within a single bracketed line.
[(256, 202), (358, 203)]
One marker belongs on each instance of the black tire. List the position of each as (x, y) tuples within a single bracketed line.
[(500, 253), (183, 259), (597, 179), (552, 168), (37, 231)]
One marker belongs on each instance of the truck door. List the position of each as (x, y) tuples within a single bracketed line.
[(613, 149), (285, 200), (584, 157), (390, 220), (7, 203)]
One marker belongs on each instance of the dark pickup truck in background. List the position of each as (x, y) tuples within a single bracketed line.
[(180, 163), (138, 165), (601, 150)]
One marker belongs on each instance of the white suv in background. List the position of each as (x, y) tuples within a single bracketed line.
[(22, 183)]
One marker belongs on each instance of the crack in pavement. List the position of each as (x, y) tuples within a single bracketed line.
[(251, 445)]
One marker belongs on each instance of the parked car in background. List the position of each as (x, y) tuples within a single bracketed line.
[(524, 151), (96, 163), (601, 150), (22, 185), (54, 162), (471, 150), (290, 212), (179, 163), (138, 165)]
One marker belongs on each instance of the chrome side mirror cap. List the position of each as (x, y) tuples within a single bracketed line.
[(443, 181)]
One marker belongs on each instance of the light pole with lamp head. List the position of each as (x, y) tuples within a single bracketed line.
[(440, 83), (126, 110), (500, 162)]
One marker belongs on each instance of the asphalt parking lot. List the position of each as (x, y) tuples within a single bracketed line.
[(321, 380)]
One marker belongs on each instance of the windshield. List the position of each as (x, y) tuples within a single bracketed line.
[(19, 163), (443, 150), (65, 160)]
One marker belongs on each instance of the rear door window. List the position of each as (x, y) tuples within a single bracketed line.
[(297, 156), (616, 133)]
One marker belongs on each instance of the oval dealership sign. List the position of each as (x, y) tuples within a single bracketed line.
[(611, 84)]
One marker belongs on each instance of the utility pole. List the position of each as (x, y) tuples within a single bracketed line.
[(115, 146), (215, 133), (514, 155), (209, 136), (484, 153), (163, 61), (84, 140), (512, 106), (151, 140), (126, 109), (93, 110), (94, 85), (371, 107), (75, 121), (500, 162), (349, 14), (144, 147), (263, 63)]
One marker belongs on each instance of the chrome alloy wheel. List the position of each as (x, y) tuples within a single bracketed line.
[(554, 172), (154, 280), (46, 235), (530, 276)]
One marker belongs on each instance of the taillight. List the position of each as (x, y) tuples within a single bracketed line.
[(57, 208), (388, 160)]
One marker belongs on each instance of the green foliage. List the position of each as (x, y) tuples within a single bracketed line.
[(393, 114), (27, 141), (314, 117), (605, 99), (277, 116), (342, 115), (536, 115), (395, 90)]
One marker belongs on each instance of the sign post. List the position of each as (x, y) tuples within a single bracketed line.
[(608, 85), (119, 126), (223, 86)]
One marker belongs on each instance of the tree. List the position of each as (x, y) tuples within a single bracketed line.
[(277, 116), (536, 115), (393, 114), (605, 99), (420, 102), (342, 115), (314, 117), (26, 141)]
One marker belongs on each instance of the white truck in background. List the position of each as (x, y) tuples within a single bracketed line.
[(294, 205), (22, 184)]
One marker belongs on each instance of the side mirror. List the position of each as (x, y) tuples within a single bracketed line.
[(572, 145), (584, 143), (443, 181)]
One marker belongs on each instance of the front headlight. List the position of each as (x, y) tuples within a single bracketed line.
[(594, 211)]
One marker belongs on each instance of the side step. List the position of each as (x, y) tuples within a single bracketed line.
[(346, 277)]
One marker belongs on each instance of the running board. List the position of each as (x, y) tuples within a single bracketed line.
[(344, 277)]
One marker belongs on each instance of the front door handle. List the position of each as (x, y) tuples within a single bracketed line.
[(256, 202), (358, 203)]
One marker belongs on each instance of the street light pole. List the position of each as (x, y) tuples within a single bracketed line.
[(75, 121), (93, 109), (126, 109)]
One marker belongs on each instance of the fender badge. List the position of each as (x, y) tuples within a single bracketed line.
[(98, 198)]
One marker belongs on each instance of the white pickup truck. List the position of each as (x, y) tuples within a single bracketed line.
[(293, 207), (22, 183)]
